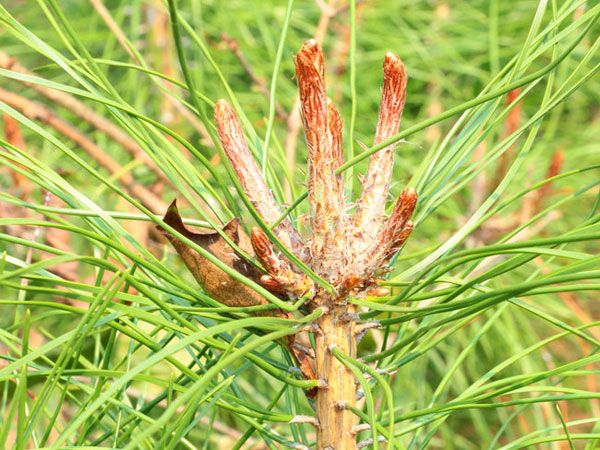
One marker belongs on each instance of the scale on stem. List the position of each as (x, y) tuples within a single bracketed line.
[(346, 250)]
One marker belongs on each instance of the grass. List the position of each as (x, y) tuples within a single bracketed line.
[(490, 333)]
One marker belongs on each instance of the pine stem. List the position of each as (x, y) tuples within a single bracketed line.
[(336, 329)]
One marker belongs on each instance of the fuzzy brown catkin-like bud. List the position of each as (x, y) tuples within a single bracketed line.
[(389, 238), (323, 185), (403, 210), (371, 204), (263, 248), (335, 127), (237, 151), (280, 271), (271, 284), (401, 238)]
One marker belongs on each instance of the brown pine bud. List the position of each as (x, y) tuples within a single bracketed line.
[(371, 204), (349, 283), (266, 254), (324, 150), (336, 127), (279, 269), (394, 232), (237, 151), (403, 235), (271, 284), (403, 210)]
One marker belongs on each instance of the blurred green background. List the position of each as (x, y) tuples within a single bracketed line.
[(452, 51)]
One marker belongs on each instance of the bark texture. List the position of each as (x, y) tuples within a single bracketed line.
[(336, 420)]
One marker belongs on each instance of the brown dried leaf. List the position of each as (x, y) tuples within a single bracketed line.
[(214, 281), (220, 285), (305, 363)]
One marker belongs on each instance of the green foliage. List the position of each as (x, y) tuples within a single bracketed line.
[(490, 335)]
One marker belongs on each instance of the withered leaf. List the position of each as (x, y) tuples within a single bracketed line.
[(214, 281), (220, 285)]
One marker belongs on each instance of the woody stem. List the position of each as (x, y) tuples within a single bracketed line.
[(335, 418)]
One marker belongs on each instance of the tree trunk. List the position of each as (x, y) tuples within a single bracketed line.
[(335, 419)]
